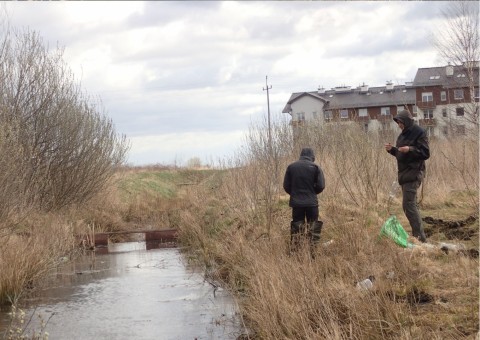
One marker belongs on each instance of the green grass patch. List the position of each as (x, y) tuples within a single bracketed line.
[(156, 183), (163, 183)]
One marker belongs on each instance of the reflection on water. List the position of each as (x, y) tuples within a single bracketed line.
[(132, 293)]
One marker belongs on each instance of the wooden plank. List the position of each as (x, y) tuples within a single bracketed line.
[(162, 235)]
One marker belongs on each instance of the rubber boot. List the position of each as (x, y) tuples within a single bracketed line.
[(314, 231), (295, 234)]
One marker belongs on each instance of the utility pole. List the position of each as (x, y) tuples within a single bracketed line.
[(271, 181), (268, 107)]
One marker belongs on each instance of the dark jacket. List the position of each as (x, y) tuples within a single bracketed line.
[(411, 165), (304, 180)]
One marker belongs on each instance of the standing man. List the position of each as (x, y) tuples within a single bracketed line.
[(303, 181), (411, 152)]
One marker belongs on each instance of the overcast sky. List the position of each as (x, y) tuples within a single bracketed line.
[(185, 79)]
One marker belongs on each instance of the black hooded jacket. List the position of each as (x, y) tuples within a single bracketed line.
[(304, 180), (411, 165)]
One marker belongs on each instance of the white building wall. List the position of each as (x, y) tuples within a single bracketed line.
[(450, 122), (307, 106), (374, 125)]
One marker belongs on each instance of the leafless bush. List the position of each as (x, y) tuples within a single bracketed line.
[(457, 41), (66, 147), (257, 172), (12, 179)]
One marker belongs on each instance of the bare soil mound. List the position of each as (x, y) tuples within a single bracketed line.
[(464, 229)]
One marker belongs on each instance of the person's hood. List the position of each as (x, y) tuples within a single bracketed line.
[(308, 154), (405, 117)]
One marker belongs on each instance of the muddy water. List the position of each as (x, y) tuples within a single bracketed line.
[(131, 293)]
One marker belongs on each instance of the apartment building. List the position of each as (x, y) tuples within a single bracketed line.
[(447, 98), (439, 99)]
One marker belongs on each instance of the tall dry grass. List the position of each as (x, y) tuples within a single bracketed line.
[(39, 243), (453, 166), (240, 230)]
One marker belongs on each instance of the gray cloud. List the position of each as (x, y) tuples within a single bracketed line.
[(199, 66), (162, 12)]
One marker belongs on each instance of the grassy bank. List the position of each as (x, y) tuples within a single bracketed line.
[(240, 231), (235, 223), (418, 293)]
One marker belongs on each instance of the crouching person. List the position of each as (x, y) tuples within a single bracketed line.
[(303, 181)]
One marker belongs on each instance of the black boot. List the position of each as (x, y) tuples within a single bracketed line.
[(295, 234), (314, 231)]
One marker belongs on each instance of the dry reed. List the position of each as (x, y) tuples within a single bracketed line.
[(418, 293)]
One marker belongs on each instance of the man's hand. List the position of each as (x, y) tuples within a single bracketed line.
[(404, 149), (388, 146)]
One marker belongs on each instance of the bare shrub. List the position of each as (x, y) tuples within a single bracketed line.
[(257, 172), (67, 147), (457, 41), (12, 179), (194, 163)]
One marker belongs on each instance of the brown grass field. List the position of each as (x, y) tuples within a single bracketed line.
[(418, 293), (235, 223)]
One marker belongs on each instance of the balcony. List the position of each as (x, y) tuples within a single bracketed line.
[(426, 105), (427, 122)]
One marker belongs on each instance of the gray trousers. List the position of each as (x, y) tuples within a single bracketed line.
[(410, 208)]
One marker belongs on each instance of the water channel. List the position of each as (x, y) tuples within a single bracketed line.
[(129, 292)]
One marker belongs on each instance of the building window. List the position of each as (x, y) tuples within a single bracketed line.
[(327, 115), (314, 115), (444, 112), (343, 114), (476, 93), (427, 114), (415, 109), (460, 111), (443, 96), (458, 94), (301, 116), (385, 111), (427, 97), (445, 130), (362, 112)]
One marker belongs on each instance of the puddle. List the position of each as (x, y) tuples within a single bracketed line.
[(130, 292)]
